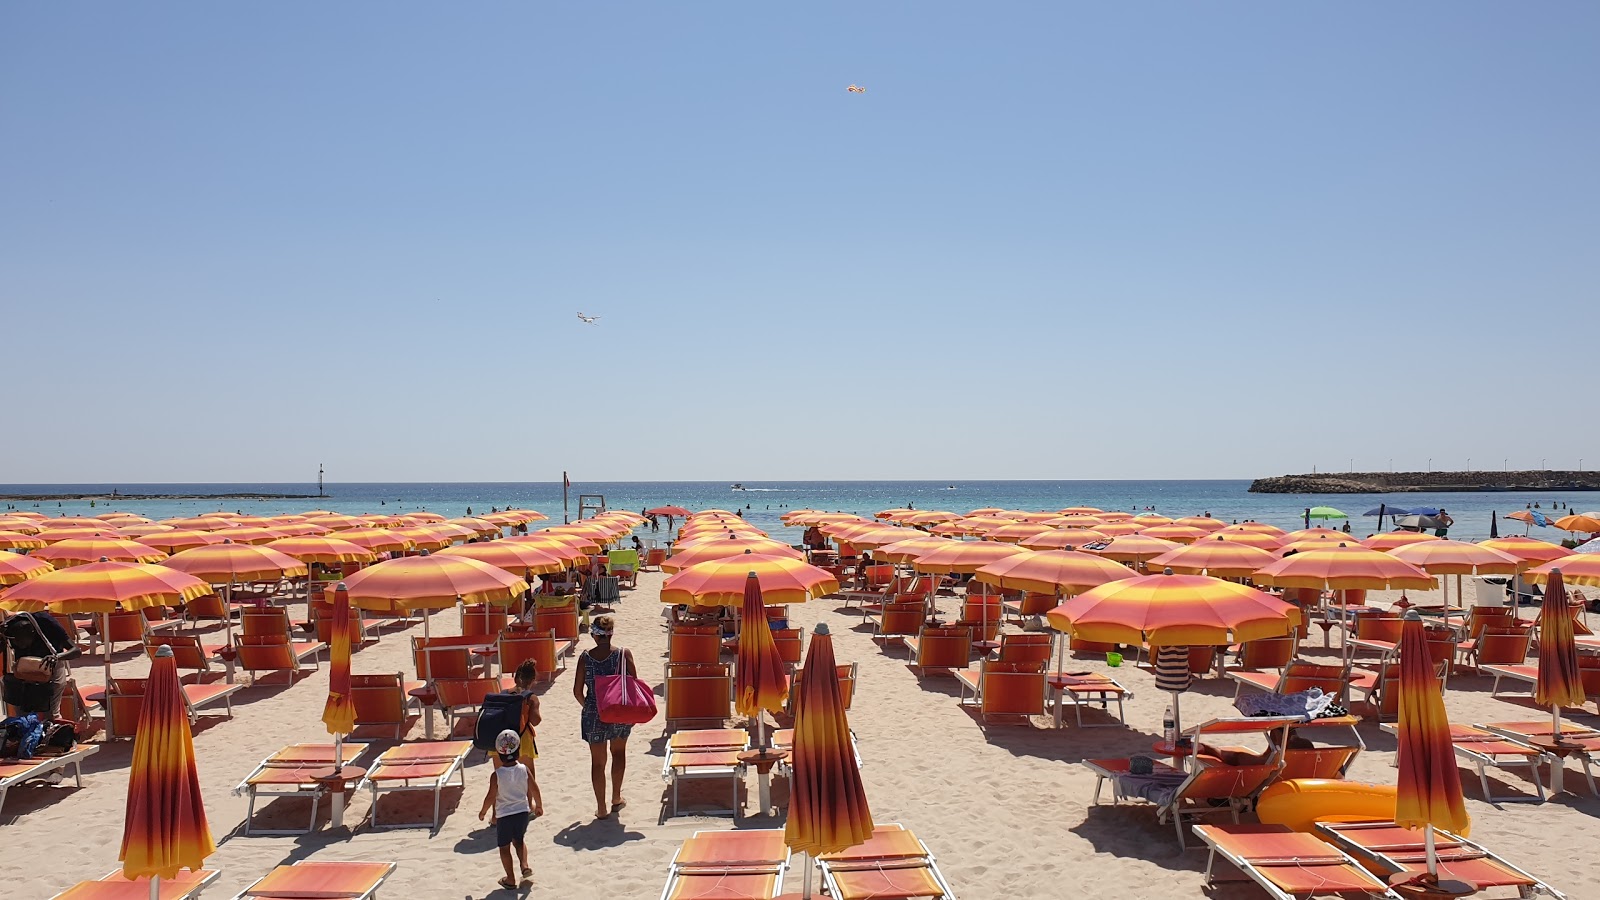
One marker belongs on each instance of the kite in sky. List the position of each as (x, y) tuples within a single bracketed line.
[(856, 89)]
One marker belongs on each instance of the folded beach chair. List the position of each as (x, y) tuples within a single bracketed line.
[(1210, 785), (1580, 742), (892, 863), (1388, 847), (1485, 749), (701, 754), (125, 701), (14, 772), (276, 653), (185, 885), (1080, 689), (698, 693), (320, 881), (1288, 865), (291, 772), (383, 701), (728, 865), (422, 766)]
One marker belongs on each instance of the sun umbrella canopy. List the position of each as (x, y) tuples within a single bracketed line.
[(708, 550), (1444, 557), (1150, 520), (78, 552), (721, 582), (432, 582), (761, 682), (512, 557), (1529, 550), (869, 540), (1257, 539), (1012, 534), (1256, 528), (229, 563), (1182, 534), (164, 824), (1174, 610), (676, 512), (1081, 511), (1579, 568), (1076, 522), (1587, 522), (328, 551), (14, 568), (1326, 512), (477, 526), (906, 551), (1204, 523), (78, 533), (1390, 540), (1062, 538), (199, 523), (1216, 556), (12, 540), (1429, 789), (964, 557), (1350, 567), (103, 587), (1052, 572), (178, 540), (376, 539), (828, 809), (1559, 682), (1136, 547)]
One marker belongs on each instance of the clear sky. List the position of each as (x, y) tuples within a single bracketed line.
[(1051, 240)]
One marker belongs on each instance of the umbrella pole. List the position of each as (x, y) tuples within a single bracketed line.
[(427, 673), (1558, 765), (763, 778), (155, 887), (1433, 853), (336, 810), (105, 655)]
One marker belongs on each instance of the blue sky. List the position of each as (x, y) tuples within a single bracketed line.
[(1053, 240)]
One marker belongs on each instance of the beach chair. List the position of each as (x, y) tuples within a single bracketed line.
[(457, 656), (1012, 690), (211, 607), (546, 652), (694, 644), (705, 754), (653, 559), (698, 692), (133, 626), (892, 863), (1288, 865), (484, 618), (383, 701), (1025, 647), (1267, 653), (728, 865), (945, 649), (275, 653), (1297, 676), (186, 885), (783, 740), (1080, 689), (562, 618), (270, 620), (1494, 645), (422, 766), (790, 643), (14, 772), (897, 621), (1577, 741), (291, 772), (1387, 847), (125, 701), (461, 698), (320, 880), (847, 672), (624, 565), (1030, 604), (1210, 785), (1486, 750), (984, 614), (188, 653)]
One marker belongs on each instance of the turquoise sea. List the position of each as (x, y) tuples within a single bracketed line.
[(763, 502)]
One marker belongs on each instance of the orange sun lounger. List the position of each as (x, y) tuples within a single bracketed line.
[(16, 771), (422, 766), (1581, 742), (290, 773), (1082, 689), (1288, 865), (1486, 749), (705, 753), (185, 885), (1401, 850), (728, 865), (893, 863), (321, 880)]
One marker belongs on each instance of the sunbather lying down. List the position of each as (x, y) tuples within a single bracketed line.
[(1238, 756)]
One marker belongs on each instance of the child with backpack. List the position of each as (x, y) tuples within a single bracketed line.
[(510, 790), (516, 711)]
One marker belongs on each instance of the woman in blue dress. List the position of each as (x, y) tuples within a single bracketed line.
[(603, 659)]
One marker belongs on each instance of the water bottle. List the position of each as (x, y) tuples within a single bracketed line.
[(1169, 726)]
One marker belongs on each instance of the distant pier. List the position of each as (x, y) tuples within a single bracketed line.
[(1427, 482)]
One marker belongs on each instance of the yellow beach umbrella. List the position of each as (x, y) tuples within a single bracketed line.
[(82, 551), (721, 582), (15, 568), (12, 540), (1216, 556)]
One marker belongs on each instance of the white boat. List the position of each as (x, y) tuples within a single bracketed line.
[(738, 486)]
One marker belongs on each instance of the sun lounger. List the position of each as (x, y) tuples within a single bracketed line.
[(1013, 690), (701, 754), (1288, 865), (320, 880), (126, 701), (1297, 676), (1527, 674), (383, 700), (17, 771), (188, 653), (943, 649), (184, 886), (1485, 749), (783, 739), (290, 773), (1083, 688), (698, 692), (276, 653), (1210, 785), (542, 647), (423, 766), (461, 698), (1401, 850), (892, 863), (1579, 741), (728, 865)]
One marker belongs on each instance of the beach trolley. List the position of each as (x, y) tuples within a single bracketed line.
[(343, 880)]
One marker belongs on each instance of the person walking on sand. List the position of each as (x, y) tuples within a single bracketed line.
[(528, 747), (510, 788), (603, 659)]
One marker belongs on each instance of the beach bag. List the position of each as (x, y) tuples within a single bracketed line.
[(500, 712), (624, 700), (34, 669)]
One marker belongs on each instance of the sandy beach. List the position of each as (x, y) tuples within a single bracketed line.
[(1006, 809)]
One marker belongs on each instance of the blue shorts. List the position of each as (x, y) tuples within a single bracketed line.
[(511, 829)]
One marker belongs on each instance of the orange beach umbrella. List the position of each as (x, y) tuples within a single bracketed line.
[(432, 582), (1581, 522), (14, 568), (1579, 568), (760, 681), (82, 551), (828, 809), (339, 710), (964, 557), (328, 551), (1218, 556), (723, 548), (1391, 540), (1063, 538), (1428, 794), (721, 582), (906, 551), (1173, 611), (14, 540), (1530, 550), (1052, 572), (1136, 548), (1183, 534), (1559, 682), (164, 826), (513, 557), (229, 563), (178, 540)]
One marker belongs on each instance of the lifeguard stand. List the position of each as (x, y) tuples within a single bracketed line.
[(591, 505)]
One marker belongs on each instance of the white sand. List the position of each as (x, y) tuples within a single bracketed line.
[(1005, 809)]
